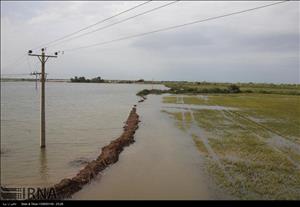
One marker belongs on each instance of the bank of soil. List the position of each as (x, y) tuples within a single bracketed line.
[(109, 155)]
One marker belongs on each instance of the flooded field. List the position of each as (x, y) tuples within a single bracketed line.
[(251, 142), (80, 119), (233, 146), (163, 163)]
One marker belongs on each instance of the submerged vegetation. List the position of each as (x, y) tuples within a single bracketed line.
[(277, 113), (252, 148)]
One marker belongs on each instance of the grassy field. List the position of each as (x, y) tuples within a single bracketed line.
[(194, 88), (252, 149), (202, 87)]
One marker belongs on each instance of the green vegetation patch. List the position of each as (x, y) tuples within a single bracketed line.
[(279, 113), (210, 120), (206, 87), (169, 99), (257, 169), (178, 117), (200, 145), (252, 166), (187, 119), (256, 181), (193, 100), (252, 181)]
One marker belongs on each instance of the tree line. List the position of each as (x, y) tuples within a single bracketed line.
[(82, 79)]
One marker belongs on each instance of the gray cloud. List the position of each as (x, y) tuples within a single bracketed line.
[(213, 40), (261, 46)]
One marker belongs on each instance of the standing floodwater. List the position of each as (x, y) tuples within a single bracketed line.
[(163, 163), (80, 119)]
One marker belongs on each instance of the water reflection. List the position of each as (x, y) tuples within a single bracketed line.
[(196, 107), (43, 165)]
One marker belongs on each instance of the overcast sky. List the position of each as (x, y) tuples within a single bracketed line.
[(258, 46)]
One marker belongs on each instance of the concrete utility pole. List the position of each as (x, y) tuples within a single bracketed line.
[(43, 58)]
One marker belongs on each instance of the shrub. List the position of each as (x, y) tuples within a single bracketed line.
[(234, 88)]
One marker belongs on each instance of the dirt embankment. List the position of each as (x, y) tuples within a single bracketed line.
[(109, 155), (143, 98)]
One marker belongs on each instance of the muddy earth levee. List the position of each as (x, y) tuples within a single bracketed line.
[(163, 163), (109, 155)]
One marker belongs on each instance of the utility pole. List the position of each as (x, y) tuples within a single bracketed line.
[(152, 83), (43, 59), (36, 74)]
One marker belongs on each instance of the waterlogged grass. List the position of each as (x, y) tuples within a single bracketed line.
[(178, 117), (170, 99), (186, 99), (263, 181), (200, 145), (252, 167), (187, 119), (183, 119), (208, 119), (252, 181), (230, 136), (279, 113), (193, 100)]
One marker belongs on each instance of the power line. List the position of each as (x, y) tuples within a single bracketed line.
[(28, 63), (15, 74), (16, 62), (87, 27), (32, 67), (175, 27), (121, 21)]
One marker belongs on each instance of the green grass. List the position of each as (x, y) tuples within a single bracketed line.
[(279, 113), (187, 119), (193, 100), (292, 89), (200, 145), (251, 181), (193, 88), (178, 117), (169, 99), (241, 140)]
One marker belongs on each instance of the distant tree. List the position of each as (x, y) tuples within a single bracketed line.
[(97, 80), (75, 79), (233, 88), (82, 79), (140, 81)]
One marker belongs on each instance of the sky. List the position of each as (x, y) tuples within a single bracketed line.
[(257, 46)]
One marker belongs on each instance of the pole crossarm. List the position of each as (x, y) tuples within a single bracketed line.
[(54, 56), (46, 56)]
